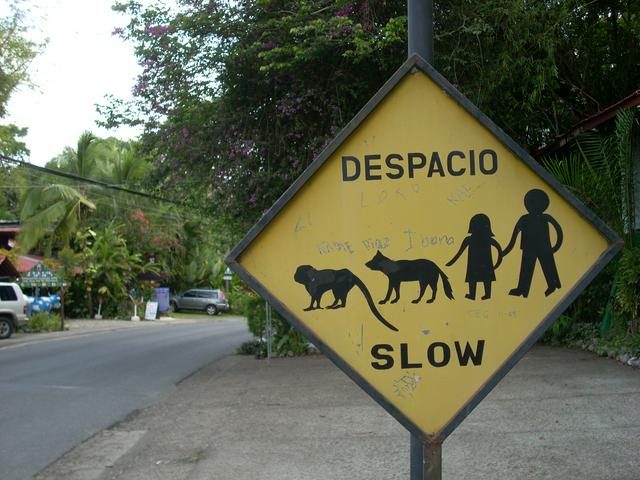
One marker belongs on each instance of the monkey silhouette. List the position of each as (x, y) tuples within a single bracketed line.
[(423, 271), (340, 282)]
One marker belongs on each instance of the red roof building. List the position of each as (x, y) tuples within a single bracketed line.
[(28, 262), (8, 272), (8, 232)]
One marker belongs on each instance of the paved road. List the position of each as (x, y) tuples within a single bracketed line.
[(57, 393)]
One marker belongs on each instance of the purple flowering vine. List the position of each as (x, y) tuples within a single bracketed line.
[(345, 11), (140, 87), (157, 30)]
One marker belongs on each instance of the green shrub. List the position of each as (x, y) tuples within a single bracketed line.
[(584, 332), (628, 343), (628, 290), (557, 333), (587, 335), (286, 340), (254, 309), (252, 347), (44, 322)]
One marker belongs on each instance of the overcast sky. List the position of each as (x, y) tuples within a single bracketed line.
[(80, 65)]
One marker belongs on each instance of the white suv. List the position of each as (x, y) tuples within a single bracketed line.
[(13, 309)]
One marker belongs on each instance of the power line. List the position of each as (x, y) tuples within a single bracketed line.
[(145, 208), (28, 187), (73, 176), (32, 171), (130, 207)]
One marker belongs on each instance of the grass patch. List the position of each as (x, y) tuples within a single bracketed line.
[(42, 322)]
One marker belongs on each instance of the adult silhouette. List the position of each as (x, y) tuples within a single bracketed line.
[(535, 243)]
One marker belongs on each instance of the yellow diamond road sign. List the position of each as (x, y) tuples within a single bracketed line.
[(424, 251)]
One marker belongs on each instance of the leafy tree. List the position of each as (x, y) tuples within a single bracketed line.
[(598, 54), (154, 235), (16, 52), (11, 143), (237, 98), (12, 182), (241, 139), (15, 55), (187, 247)]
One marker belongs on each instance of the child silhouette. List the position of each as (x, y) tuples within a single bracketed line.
[(535, 243), (480, 267)]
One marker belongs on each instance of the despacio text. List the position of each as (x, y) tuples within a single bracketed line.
[(394, 166)]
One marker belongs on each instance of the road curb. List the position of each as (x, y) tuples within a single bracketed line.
[(82, 328)]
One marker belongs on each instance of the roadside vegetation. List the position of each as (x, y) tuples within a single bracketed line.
[(286, 341), (228, 98), (599, 170), (42, 322)]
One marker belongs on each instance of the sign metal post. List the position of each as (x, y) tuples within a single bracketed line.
[(269, 322), (420, 40), (420, 19), (227, 280)]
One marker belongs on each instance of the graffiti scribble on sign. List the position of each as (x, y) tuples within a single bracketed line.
[(405, 385)]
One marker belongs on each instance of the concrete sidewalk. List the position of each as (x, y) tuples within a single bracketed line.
[(560, 414)]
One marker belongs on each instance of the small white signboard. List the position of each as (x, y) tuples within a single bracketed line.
[(151, 311)]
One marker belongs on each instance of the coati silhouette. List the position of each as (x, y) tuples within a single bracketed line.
[(397, 271), (340, 282)]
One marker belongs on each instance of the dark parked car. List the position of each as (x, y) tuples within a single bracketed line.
[(207, 300)]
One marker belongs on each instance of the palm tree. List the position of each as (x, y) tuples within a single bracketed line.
[(124, 164), (120, 163), (55, 211), (83, 160), (600, 172)]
